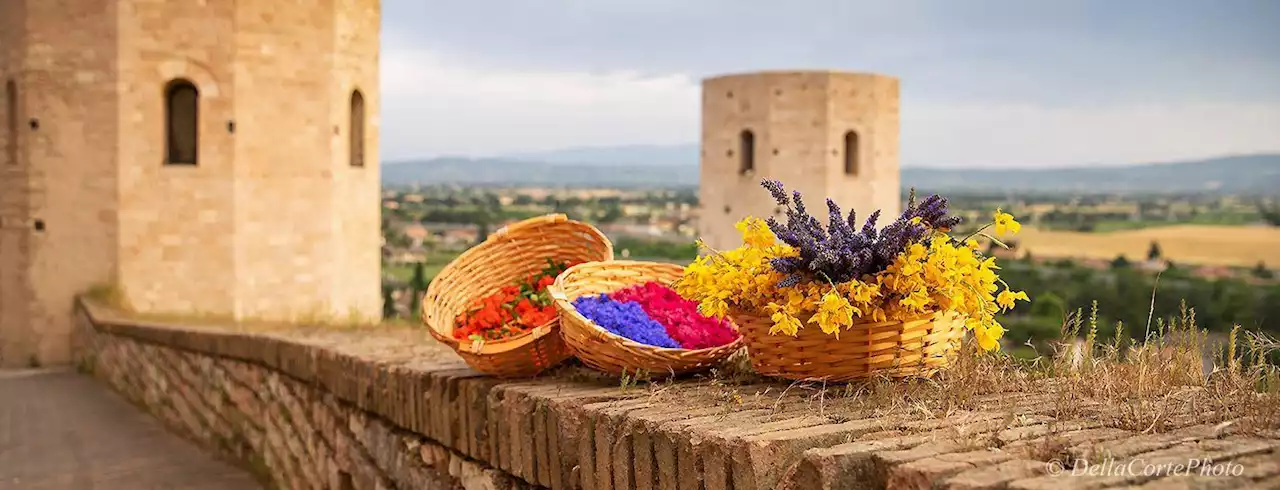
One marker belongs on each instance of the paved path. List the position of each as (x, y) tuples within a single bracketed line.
[(62, 430)]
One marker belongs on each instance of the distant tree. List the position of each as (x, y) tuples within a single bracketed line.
[(415, 305), (1262, 272), (522, 200), (559, 206), (611, 213), (388, 303), (1153, 253), (419, 281), (1120, 262), (1270, 213)]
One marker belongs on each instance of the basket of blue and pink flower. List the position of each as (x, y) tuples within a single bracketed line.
[(622, 317)]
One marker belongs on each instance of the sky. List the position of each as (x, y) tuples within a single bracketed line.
[(984, 83)]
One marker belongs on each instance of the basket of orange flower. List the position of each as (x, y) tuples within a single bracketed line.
[(491, 304), (839, 302)]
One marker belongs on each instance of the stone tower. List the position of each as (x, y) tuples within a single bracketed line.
[(825, 134), (199, 157)]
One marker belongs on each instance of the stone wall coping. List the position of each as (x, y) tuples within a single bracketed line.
[(573, 428)]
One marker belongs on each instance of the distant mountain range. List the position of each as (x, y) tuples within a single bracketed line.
[(677, 166)]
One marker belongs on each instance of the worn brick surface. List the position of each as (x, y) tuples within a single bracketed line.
[(573, 428), (60, 430)]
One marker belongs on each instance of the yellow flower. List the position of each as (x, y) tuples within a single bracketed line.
[(864, 292), (756, 233), (784, 322), (833, 312), (988, 335), (918, 299), (713, 307), (1005, 299), (1005, 224)]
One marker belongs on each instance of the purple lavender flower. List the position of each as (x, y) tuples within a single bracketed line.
[(775, 188), (625, 319), (839, 252)]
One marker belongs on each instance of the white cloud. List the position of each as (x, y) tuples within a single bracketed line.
[(433, 105), (999, 135)]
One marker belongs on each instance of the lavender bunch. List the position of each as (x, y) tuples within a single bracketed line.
[(841, 251)]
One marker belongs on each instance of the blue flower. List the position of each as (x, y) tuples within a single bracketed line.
[(625, 319)]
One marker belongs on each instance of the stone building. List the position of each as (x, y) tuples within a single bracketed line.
[(198, 157), (826, 134)]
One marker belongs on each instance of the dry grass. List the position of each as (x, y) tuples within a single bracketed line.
[(1241, 246), (1171, 378)]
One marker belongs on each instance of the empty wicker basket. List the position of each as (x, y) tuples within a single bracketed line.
[(506, 256), (916, 347), (614, 354)]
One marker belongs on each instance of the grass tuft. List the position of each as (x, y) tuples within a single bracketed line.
[(1173, 377)]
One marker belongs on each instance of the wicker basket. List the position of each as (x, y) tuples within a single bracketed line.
[(509, 254), (917, 347), (612, 353)]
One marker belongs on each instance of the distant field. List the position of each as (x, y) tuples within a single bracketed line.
[(1191, 244), (434, 263)]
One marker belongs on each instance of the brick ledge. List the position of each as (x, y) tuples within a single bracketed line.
[(572, 429)]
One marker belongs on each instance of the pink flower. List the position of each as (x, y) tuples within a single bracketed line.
[(678, 315)]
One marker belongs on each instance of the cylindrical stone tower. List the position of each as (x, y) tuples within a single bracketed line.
[(825, 134)]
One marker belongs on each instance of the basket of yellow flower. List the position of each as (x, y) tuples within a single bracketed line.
[(841, 302), (492, 304), (622, 317)]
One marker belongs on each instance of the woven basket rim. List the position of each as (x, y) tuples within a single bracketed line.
[(494, 240), (560, 297), (856, 323)]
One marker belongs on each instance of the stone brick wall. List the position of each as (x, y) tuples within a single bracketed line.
[(286, 432), (273, 222), (356, 190), (283, 227), (177, 228), (59, 225), (14, 243), (310, 403), (799, 120)]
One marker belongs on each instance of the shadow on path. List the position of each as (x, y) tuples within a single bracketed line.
[(62, 430)]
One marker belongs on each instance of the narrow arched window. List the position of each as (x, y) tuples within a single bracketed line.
[(181, 116), (11, 122), (851, 153), (747, 151), (357, 129)]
